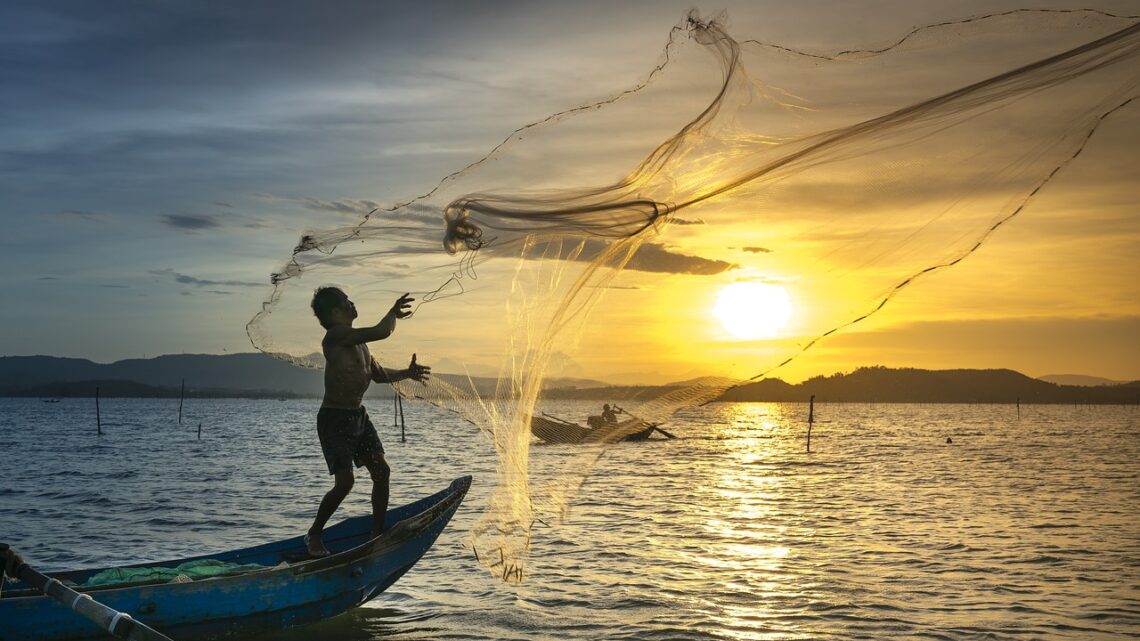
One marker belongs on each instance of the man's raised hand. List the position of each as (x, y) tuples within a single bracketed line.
[(402, 308)]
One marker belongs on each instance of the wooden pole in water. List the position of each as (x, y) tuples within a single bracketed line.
[(181, 397), (199, 431), (811, 419), (400, 404), (1019, 408), (98, 421)]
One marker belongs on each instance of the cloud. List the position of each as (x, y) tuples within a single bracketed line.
[(757, 250), (89, 216), (651, 257), (191, 221), (185, 279), (344, 206), (358, 208)]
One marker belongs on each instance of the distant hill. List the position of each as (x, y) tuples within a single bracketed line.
[(1079, 379), (256, 374), (211, 375), (887, 385), (262, 376)]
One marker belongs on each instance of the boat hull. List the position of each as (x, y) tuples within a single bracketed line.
[(553, 431), (285, 594)]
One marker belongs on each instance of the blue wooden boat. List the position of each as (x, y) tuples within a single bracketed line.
[(556, 430), (290, 589)]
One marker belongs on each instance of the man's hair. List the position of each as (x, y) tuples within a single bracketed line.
[(325, 300)]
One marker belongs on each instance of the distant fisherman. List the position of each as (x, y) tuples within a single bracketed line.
[(347, 435)]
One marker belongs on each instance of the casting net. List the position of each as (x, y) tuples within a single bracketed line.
[(841, 177)]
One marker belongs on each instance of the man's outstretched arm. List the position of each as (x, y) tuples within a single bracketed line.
[(402, 308), (414, 371)]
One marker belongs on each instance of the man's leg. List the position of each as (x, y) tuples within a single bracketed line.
[(332, 500), (381, 474)]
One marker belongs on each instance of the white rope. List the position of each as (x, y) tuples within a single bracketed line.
[(115, 620), (78, 596)]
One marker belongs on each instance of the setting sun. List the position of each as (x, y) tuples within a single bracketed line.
[(753, 310)]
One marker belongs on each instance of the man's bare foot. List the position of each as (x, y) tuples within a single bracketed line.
[(315, 546)]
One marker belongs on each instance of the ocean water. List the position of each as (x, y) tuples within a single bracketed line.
[(1021, 528)]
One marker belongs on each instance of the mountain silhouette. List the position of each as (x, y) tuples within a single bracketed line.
[(209, 375), (261, 375)]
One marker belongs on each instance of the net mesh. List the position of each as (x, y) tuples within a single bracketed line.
[(841, 177)]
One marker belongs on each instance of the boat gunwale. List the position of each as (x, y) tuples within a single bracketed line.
[(399, 534)]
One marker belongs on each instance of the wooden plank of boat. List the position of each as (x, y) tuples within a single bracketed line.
[(280, 595), (554, 430)]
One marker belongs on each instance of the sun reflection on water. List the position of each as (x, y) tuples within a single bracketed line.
[(750, 542)]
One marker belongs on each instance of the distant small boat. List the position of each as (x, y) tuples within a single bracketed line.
[(289, 589), (555, 430)]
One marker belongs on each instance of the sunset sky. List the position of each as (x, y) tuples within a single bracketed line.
[(159, 160)]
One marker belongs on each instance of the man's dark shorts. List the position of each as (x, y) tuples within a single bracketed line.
[(347, 437)]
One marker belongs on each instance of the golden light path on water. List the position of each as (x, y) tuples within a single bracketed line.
[(751, 546)]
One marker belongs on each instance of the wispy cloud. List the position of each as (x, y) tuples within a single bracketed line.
[(192, 222), (757, 250), (88, 216), (343, 206), (186, 279)]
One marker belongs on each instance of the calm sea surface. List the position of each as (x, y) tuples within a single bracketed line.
[(1022, 528)]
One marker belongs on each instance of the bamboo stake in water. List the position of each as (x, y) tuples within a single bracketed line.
[(400, 404), (811, 419), (98, 421), (181, 397)]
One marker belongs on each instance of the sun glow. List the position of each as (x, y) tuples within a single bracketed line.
[(752, 310)]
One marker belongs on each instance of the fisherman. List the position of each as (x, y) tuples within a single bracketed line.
[(609, 414), (347, 435)]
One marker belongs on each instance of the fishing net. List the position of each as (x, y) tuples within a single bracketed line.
[(595, 240), (182, 573)]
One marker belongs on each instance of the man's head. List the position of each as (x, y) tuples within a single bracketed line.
[(332, 307)]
